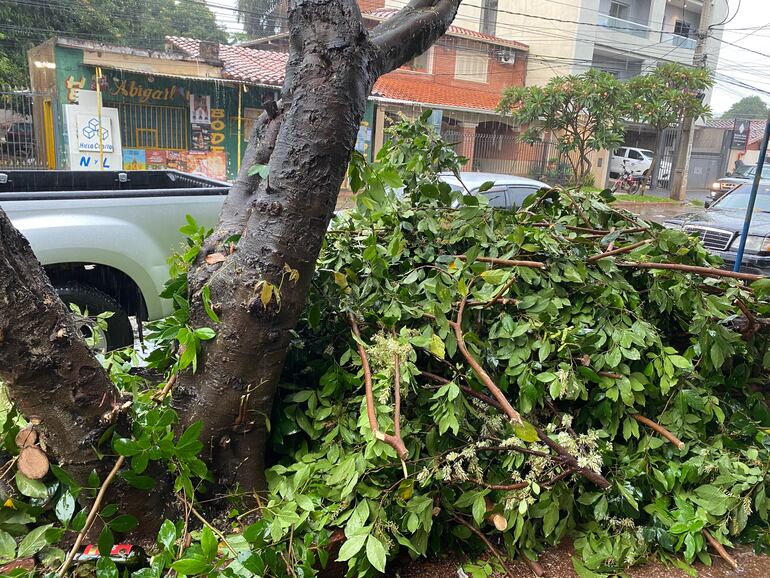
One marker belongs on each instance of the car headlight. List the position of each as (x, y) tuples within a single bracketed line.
[(754, 244), (716, 186)]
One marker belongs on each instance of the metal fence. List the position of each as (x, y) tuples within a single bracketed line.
[(505, 154), (26, 129), (152, 126)]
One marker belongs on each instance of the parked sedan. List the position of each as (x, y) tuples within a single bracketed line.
[(719, 227), (508, 191)]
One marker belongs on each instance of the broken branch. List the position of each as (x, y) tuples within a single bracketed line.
[(505, 262), (659, 429), (495, 552), (705, 271), (393, 441), (720, 549), (619, 250)]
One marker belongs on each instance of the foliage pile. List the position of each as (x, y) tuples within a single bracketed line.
[(448, 316)]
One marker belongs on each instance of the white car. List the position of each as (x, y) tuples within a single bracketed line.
[(637, 161), (508, 191)]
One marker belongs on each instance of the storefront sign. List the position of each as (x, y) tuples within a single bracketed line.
[(89, 127), (741, 129), (131, 89), (217, 129), (134, 160), (73, 87)]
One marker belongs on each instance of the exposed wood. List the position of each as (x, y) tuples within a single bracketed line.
[(495, 518), (720, 549), (659, 429), (26, 437), (505, 262), (33, 463), (533, 565)]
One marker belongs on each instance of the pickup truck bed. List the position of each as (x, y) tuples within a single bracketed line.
[(104, 237)]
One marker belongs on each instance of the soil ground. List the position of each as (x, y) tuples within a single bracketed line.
[(557, 563)]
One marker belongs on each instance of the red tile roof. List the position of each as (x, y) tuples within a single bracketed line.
[(409, 88), (385, 13), (239, 63)]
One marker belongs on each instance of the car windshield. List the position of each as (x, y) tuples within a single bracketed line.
[(739, 199), (748, 171)]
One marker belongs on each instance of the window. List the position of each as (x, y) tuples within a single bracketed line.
[(619, 10), (496, 196), (419, 63), (682, 28), (636, 155), (471, 66), (516, 195), (489, 17)]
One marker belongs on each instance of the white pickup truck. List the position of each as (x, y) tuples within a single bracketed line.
[(104, 238)]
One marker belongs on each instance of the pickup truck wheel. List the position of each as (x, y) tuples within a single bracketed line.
[(119, 332)]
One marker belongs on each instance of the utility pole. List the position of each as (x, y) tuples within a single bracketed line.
[(682, 164)]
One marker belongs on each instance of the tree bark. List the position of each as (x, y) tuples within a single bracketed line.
[(51, 374), (333, 64)]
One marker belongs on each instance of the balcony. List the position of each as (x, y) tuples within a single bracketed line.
[(627, 26), (678, 40)]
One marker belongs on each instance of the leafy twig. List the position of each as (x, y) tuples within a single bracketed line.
[(495, 552), (619, 250), (91, 516)]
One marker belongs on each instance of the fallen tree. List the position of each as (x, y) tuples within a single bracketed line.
[(463, 375)]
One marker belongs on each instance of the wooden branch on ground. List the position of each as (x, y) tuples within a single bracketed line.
[(659, 429), (163, 393), (609, 374), (705, 271), (393, 441), (533, 565), (618, 251), (720, 549), (505, 262), (91, 516), (495, 518), (495, 552)]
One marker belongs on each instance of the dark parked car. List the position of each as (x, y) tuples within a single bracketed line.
[(719, 227), (19, 139), (742, 175)]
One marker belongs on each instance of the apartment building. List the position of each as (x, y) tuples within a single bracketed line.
[(624, 37)]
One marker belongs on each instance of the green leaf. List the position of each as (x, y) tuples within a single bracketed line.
[(109, 510), (375, 553), (126, 447), (208, 544), (205, 333), (190, 566), (106, 541), (167, 534), (106, 568), (261, 170), (479, 509), (123, 523), (584, 572), (351, 547), (137, 481), (206, 298), (79, 521), (7, 546), (30, 488), (33, 542), (65, 507), (437, 346), (526, 431), (485, 186), (680, 362)]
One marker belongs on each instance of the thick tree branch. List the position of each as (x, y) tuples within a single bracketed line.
[(410, 32), (660, 429)]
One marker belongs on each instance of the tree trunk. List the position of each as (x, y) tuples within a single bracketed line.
[(655, 159), (51, 374), (259, 290)]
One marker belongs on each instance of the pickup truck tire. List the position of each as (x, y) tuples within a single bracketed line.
[(119, 331)]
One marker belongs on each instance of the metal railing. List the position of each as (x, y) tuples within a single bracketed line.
[(627, 26), (678, 40), (153, 126), (26, 129)]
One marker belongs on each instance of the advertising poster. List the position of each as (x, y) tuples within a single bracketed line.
[(177, 160), (200, 109), (201, 137), (156, 159), (134, 160), (208, 164)]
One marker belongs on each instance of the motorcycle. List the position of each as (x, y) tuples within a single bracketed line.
[(627, 182)]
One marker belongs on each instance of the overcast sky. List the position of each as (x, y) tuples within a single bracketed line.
[(736, 63), (740, 64)]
